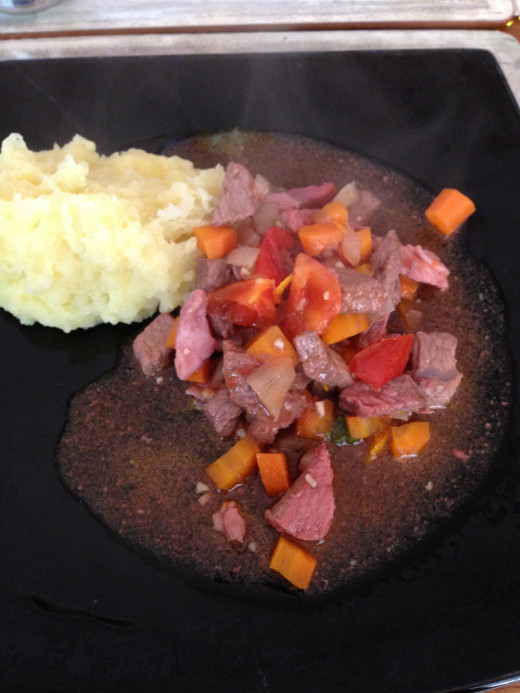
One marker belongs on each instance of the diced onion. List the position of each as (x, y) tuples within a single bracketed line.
[(348, 195), (351, 247), (243, 256), (271, 382)]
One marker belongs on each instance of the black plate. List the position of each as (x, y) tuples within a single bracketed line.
[(81, 612)]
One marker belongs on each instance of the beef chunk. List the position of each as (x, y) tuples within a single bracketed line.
[(387, 265), (320, 362), (434, 367), (148, 346), (306, 510), (240, 196), (361, 293), (222, 412), (424, 266), (401, 394), (194, 342), (212, 274)]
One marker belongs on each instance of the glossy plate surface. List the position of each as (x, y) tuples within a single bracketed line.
[(79, 610)]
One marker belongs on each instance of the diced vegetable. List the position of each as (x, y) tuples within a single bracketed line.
[(410, 314), (316, 420), (449, 210), (216, 241), (377, 444), (235, 465), (270, 261), (280, 289), (274, 472), (408, 287), (339, 433), (363, 427), (247, 303), (314, 297), (271, 343), (365, 268), (201, 375), (271, 382), (172, 336), (315, 238), (351, 247), (292, 562), (383, 360), (365, 238), (333, 211), (409, 439), (345, 325)]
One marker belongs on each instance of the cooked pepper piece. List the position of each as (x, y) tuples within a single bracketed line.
[(382, 361)]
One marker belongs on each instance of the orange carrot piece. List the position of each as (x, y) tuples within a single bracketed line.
[(408, 287), (449, 210), (332, 211), (315, 238), (271, 343), (235, 465), (172, 336), (216, 241), (345, 325), (200, 375), (316, 420), (363, 427), (377, 444), (292, 562), (365, 236), (274, 472), (409, 439)]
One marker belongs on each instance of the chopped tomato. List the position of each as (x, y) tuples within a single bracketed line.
[(246, 303), (382, 361), (314, 297), (270, 262)]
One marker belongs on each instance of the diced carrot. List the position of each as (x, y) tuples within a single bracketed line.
[(408, 287), (377, 444), (332, 211), (200, 375), (365, 236), (172, 336), (365, 268), (274, 472), (410, 314), (345, 325), (363, 427), (235, 465), (316, 420), (271, 343), (449, 210), (315, 238), (409, 439), (293, 562), (216, 241)]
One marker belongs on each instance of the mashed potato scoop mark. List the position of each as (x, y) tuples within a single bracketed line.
[(86, 238)]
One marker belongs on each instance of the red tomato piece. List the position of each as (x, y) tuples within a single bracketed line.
[(246, 303), (270, 262), (314, 297), (382, 361)]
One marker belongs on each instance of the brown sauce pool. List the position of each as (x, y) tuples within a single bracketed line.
[(134, 448)]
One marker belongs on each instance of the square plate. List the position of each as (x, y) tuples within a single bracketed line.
[(78, 610)]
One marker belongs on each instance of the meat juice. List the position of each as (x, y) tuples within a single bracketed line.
[(135, 448)]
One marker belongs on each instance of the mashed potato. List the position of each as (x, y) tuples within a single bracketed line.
[(86, 238)]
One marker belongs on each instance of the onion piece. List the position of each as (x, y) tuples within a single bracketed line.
[(243, 256), (271, 382), (351, 246)]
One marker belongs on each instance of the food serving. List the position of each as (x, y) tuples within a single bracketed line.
[(87, 238), (309, 411)]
